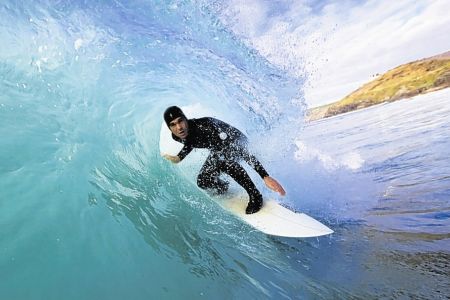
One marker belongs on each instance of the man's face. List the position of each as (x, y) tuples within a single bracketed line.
[(179, 127)]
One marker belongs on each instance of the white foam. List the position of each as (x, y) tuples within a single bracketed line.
[(351, 160), (78, 43)]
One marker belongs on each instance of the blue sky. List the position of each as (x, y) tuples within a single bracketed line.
[(340, 45)]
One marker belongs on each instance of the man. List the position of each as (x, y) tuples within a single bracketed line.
[(228, 147)]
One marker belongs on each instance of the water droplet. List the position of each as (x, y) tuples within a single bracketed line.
[(78, 43)]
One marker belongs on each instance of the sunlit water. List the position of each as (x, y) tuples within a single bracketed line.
[(89, 210)]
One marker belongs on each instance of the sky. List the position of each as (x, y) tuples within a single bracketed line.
[(337, 46)]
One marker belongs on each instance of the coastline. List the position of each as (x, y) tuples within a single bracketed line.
[(403, 82), (309, 120)]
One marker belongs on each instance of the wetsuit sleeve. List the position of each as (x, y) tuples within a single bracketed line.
[(187, 148), (184, 152), (254, 163)]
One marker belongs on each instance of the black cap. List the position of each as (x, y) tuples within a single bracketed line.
[(172, 113)]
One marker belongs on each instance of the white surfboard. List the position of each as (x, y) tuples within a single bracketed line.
[(272, 219)]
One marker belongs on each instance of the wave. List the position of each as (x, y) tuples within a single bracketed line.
[(84, 85)]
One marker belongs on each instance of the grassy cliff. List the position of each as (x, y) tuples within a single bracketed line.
[(404, 81)]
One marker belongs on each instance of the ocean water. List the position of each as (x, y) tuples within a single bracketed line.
[(89, 210)]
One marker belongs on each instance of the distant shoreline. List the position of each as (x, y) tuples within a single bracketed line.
[(373, 106), (403, 82)]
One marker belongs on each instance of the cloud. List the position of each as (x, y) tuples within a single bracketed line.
[(341, 45)]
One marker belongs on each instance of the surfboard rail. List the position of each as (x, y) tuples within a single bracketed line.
[(275, 219)]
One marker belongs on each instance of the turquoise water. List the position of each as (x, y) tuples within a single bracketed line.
[(89, 210)]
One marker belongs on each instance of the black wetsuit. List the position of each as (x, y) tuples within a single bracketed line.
[(228, 146)]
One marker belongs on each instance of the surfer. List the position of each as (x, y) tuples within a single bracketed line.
[(228, 147)]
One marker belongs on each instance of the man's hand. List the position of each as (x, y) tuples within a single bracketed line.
[(174, 159), (274, 185)]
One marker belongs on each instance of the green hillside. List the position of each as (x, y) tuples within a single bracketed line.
[(404, 81)]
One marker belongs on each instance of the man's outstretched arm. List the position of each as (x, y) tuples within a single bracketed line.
[(270, 182), (180, 156)]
